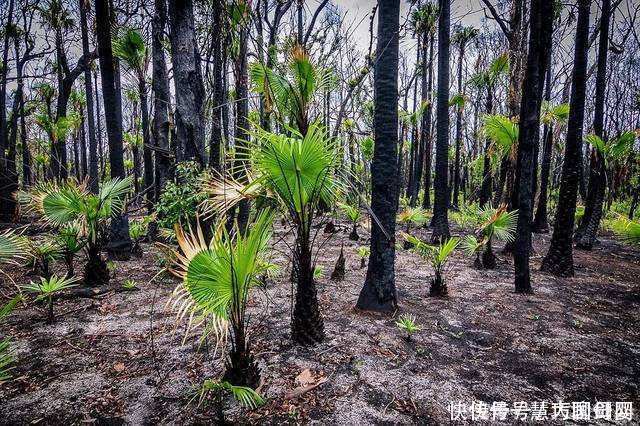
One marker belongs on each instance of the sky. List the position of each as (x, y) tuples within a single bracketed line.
[(465, 12)]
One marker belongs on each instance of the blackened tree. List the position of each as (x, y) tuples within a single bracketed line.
[(541, 30), (559, 258), (379, 290), (441, 196)]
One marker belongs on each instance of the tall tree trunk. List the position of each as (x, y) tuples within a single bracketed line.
[(189, 118), (147, 156), (487, 182), (27, 174), (120, 242), (537, 61), (412, 183), (540, 222), (101, 157), (9, 179), (242, 121), (76, 154), (6, 194), (590, 224), (379, 290), (559, 258), (88, 89), (161, 99), (441, 201), (427, 130), (517, 52), (83, 147), (459, 110), (215, 143)]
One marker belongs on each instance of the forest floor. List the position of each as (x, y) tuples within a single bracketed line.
[(120, 358)]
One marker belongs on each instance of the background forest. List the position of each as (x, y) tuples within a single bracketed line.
[(288, 211)]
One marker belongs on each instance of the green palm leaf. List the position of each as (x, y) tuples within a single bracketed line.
[(12, 246), (502, 131), (130, 47)]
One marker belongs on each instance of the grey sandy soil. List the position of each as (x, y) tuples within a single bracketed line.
[(119, 358)]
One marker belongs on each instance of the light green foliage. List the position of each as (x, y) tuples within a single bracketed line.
[(424, 19), (217, 276), (6, 356), (70, 202), (415, 216), (48, 287), (180, 198), (138, 228), (554, 113), (408, 324), (245, 396), (69, 238), (57, 130), (42, 254), (492, 222), (366, 146), (471, 244), (499, 223), (502, 132), (351, 212), (290, 95), (467, 217), (12, 247), (318, 272), (438, 255), (490, 77), (615, 149), (6, 359), (129, 46), (458, 100), (129, 285), (364, 252), (627, 230), (293, 172)]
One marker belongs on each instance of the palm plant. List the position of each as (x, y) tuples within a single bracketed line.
[(57, 130), (291, 95), (47, 288), (498, 223), (296, 173), (70, 202), (438, 256), (130, 47), (503, 133), (408, 324), (217, 278), (129, 285), (69, 241), (138, 231), (415, 216), (353, 214), (245, 396), (460, 38), (42, 254), (627, 230), (605, 156), (6, 357), (551, 115), (487, 80), (363, 254), (12, 247)]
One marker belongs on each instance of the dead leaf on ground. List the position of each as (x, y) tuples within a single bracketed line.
[(307, 381)]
